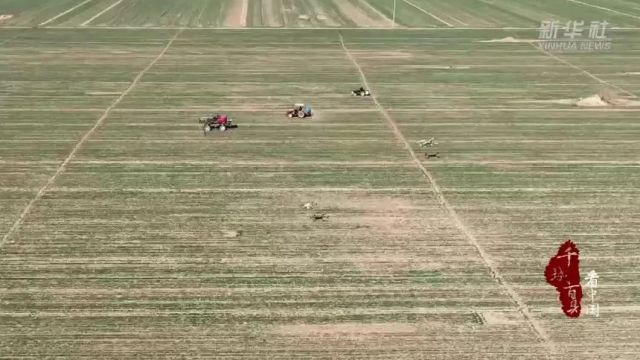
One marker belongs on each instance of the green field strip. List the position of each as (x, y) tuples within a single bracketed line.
[(240, 298), (277, 106), (437, 60), (477, 76), (405, 14), (33, 12), (67, 72), (13, 200), (8, 35), (19, 124), (113, 176), (258, 36), (552, 118), (63, 94), (327, 95), (628, 6), (242, 303), (61, 88), (575, 221), (348, 237), (243, 90), (334, 16), (597, 247), (35, 150), (578, 177), (174, 74), (560, 198), (593, 255), (253, 128), (474, 13), (539, 151), (623, 325), (568, 227), (21, 141), (59, 39), (452, 40), (53, 149), (270, 123), (613, 224), (251, 133), (65, 102), (624, 72), (553, 134), (75, 63), (569, 11), (276, 340), (354, 216), (18, 184), (25, 175), (254, 14), (82, 13), (533, 94), (513, 223), (388, 150), (176, 13)]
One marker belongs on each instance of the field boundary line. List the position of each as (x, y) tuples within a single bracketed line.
[(325, 140), (62, 167), (515, 297), (101, 13), (238, 190), (77, 27), (540, 162), (428, 13), (366, 110), (599, 163), (63, 13), (256, 164), (377, 311), (347, 110), (584, 71), (604, 8), (335, 189), (285, 28), (334, 163), (241, 163)]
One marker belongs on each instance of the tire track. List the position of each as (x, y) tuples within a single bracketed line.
[(428, 13), (63, 13), (62, 167), (576, 67), (604, 8), (515, 297), (101, 13)]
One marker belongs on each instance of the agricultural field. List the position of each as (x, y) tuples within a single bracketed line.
[(313, 13), (126, 233)]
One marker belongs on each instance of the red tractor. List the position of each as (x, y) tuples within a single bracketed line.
[(221, 122), (300, 111)]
